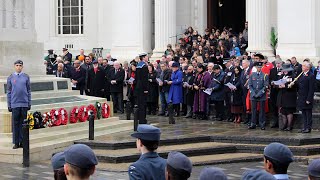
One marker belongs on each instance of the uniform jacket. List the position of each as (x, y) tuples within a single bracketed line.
[(305, 91), (217, 85), (150, 166), (118, 76), (141, 79), (258, 85), (175, 93)]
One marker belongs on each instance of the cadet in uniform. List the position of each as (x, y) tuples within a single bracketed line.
[(141, 88), (179, 166), (150, 165), (277, 158), (257, 174), (258, 83), (209, 173), (314, 170)]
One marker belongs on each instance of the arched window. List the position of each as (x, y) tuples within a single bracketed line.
[(70, 16)]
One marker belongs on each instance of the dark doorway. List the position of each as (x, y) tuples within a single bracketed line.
[(229, 13)]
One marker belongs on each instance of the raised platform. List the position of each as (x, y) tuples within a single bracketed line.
[(44, 142), (205, 142)]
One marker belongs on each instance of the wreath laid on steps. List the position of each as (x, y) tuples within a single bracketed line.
[(82, 114), (63, 116), (98, 108), (54, 115), (74, 115), (105, 110), (47, 121)]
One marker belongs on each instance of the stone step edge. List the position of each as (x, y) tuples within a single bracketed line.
[(188, 152), (132, 144), (77, 132), (39, 146), (35, 95)]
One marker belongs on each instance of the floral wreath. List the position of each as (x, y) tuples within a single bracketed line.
[(47, 121), (63, 116), (30, 119), (98, 108), (74, 115), (37, 120), (54, 114), (92, 108), (82, 114), (105, 110)]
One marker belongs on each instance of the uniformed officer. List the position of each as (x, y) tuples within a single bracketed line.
[(277, 158), (209, 173), (141, 87), (227, 98), (314, 170), (179, 166), (258, 83), (257, 174), (150, 165)]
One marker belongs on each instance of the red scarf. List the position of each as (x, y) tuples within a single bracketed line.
[(133, 75), (95, 70)]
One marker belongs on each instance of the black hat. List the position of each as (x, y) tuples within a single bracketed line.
[(18, 62), (175, 64), (64, 49), (258, 64), (287, 67), (200, 65), (147, 132), (133, 63), (58, 160), (80, 155), (314, 168), (216, 66), (259, 55), (179, 161), (209, 173), (278, 152)]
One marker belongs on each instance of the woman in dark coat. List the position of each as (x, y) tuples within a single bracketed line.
[(131, 85), (236, 95), (153, 94), (287, 98)]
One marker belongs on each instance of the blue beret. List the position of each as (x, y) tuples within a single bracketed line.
[(278, 152), (58, 160), (314, 168), (147, 132), (257, 175), (95, 61), (80, 155), (179, 161), (18, 62), (175, 64), (209, 173)]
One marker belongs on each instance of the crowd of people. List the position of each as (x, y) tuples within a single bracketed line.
[(79, 162), (201, 71)]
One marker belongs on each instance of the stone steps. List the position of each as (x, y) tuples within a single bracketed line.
[(54, 133), (42, 148), (196, 161), (194, 149)]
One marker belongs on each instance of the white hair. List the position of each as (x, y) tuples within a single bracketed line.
[(307, 64), (116, 63)]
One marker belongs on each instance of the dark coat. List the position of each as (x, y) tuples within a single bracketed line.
[(141, 80), (118, 77), (63, 75), (107, 85), (150, 166), (153, 93), (188, 92), (227, 78), (244, 79), (274, 76), (257, 86), (297, 68), (166, 77), (287, 97), (80, 76), (175, 93), (236, 96), (305, 91), (217, 85), (96, 82)]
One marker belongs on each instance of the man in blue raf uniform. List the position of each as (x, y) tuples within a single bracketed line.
[(141, 87), (19, 101), (150, 166), (258, 83), (179, 166), (277, 158), (314, 170)]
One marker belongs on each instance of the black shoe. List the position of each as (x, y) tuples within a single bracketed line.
[(251, 127), (307, 131), (275, 126), (16, 146), (263, 128), (20, 145)]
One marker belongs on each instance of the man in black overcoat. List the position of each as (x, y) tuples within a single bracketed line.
[(141, 89), (306, 96), (115, 79), (96, 80)]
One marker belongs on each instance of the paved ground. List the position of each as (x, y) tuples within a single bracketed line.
[(44, 171)]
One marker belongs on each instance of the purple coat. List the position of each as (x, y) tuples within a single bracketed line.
[(203, 81)]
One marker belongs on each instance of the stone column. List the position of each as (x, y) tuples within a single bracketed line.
[(259, 26), (298, 29), (165, 26)]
